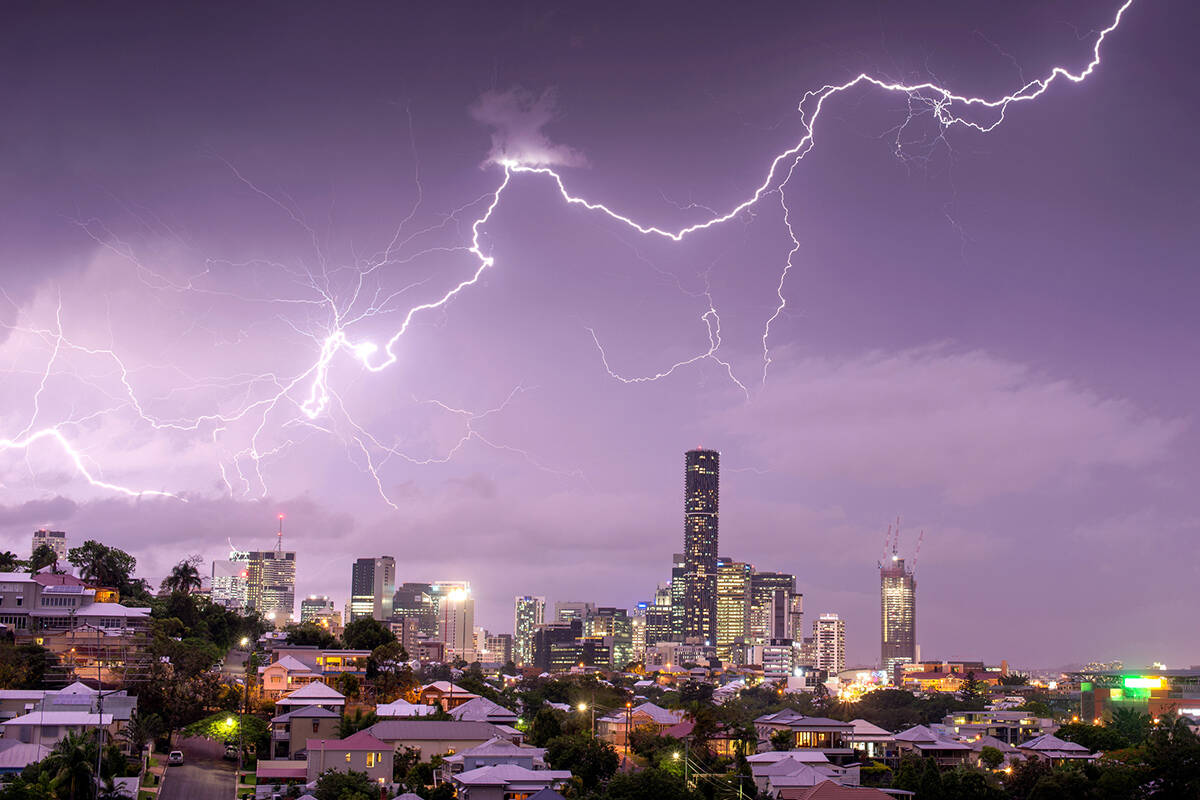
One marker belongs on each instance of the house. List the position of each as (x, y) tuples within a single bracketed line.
[(480, 709), (777, 773), (402, 709), (1010, 753), (361, 752), (832, 791), (437, 737), (615, 727), (491, 753), (725, 742), (506, 781), (312, 694), (444, 693), (285, 675), (1012, 727), (830, 736), (49, 727), (927, 743), (870, 741), (290, 732), (76, 697), (16, 755), (1056, 751)]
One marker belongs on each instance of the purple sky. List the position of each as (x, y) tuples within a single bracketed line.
[(990, 335)]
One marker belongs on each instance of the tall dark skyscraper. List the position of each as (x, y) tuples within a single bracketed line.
[(701, 490), (898, 614)]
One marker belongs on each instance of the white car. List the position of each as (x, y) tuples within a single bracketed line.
[(175, 758)]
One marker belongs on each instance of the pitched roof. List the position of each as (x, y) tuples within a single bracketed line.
[(39, 718), (864, 728), (917, 733), (658, 714), (497, 746), (363, 740), (308, 712), (1049, 742), (795, 719), (393, 730), (403, 708), (773, 756), (544, 794), (503, 774), (480, 709), (290, 663), (18, 755), (828, 790), (312, 691), (446, 687)]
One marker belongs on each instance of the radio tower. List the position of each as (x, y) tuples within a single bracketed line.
[(279, 538)]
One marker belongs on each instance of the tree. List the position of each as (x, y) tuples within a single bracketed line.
[(991, 757), (184, 577), (366, 633), (352, 725), (9, 561), (24, 666), (1096, 738), (547, 724), (1131, 724), (348, 684), (591, 759), (650, 783), (224, 727), (332, 785), (971, 691), (70, 764), (141, 728), (109, 566), (1014, 679), (43, 556), (782, 740), (311, 634)]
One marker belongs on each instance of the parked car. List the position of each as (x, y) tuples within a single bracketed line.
[(231, 752), (174, 758)]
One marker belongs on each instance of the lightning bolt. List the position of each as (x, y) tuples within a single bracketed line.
[(316, 397)]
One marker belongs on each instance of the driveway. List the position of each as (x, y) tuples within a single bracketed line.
[(204, 775)]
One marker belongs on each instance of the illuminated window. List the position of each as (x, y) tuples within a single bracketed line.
[(347, 758), (370, 759)]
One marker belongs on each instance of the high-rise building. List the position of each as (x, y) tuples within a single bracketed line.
[(455, 618), (898, 614), (416, 601), (230, 581), (776, 608), (829, 634), (701, 490), (319, 609), (616, 628), (498, 648), (551, 635), (566, 611), (678, 588), (638, 629), (733, 604), (271, 581), (658, 617), (56, 540), (530, 612), (372, 588)]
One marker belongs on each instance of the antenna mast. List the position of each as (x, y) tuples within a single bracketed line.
[(279, 537)]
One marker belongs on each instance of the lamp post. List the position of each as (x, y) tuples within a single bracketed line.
[(237, 778), (585, 707)]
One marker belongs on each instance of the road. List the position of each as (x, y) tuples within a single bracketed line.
[(204, 775)]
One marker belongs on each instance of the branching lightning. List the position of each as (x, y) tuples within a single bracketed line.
[(305, 400)]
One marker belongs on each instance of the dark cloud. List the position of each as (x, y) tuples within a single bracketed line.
[(37, 513)]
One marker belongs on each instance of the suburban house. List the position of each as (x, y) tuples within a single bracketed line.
[(15, 756), (1050, 748), (294, 666), (926, 743), (616, 726), (869, 740), (776, 773), (49, 727), (290, 732), (285, 675), (444, 693), (402, 709), (491, 753), (312, 694), (480, 709), (830, 736), (1012, 727), (506, 782), (361, 752), (437, 737)]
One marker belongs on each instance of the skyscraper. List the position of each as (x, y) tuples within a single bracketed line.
[(415, 601), (271, 581), (701, 490), (230, 580), (776, 608), (455, 618), (676, 588), (733, 604), (898, 614), (829, 635), (372, 587), (57, 541), (530, 612)]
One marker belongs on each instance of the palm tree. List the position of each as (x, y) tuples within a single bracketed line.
[(142, 728), (9, 561), (71, 764), (184, 577)]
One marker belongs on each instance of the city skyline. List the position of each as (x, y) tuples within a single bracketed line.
[(989, 334)]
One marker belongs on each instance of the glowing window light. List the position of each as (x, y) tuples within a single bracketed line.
[(1143, 683)]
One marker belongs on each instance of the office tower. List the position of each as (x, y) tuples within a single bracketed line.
[(678, 588), (733, 604), (829, 635), (614, 626), (898, 614), (372, 588), (776, 608), (455, 618), (551, 635), (497, 648), (271, 581), (530, 612), (658, 617), (415, 601), (319, 609), (57, 540), (701, 489), (574, 609), (231, 581), (638, 629)]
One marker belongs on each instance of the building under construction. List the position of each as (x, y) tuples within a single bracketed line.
[(897, 609)]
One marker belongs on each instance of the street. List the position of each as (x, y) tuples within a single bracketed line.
[(204, 775)]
